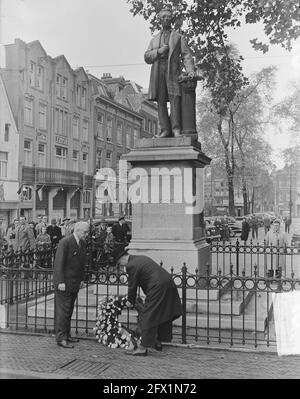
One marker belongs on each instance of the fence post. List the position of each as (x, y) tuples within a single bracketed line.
[(183, 327), (237, 257)]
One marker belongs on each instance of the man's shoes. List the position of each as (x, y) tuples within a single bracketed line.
[(65, 344), (137, 352), (72, 340)]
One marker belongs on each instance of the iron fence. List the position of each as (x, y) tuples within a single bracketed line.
[(267, 260), (220, 308)]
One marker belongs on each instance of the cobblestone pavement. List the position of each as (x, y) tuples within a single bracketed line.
[(32, 356)]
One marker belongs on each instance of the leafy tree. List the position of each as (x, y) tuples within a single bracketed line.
[(235, 139), (289, 108)]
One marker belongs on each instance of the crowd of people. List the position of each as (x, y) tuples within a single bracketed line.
[(24, 235), (273, 234)]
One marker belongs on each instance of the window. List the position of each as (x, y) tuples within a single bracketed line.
[(41, 155), (61, 87), (36, 76), (135, 135), (43, 116), (40, 77), (109, 129), (58, 83), (86, 196), (6, 132), (85, 162), (128, 136), (85, 130), (28, 111), (61, 122), (3, 163), (26, 193), (65, 123), (32, 70), (119, 132), (78, 94), (83, 97), (75, 161), (75, 127), (98, 159), (27, 153), (149, 126), (61, 157), (64, 88), (108, 160), (100, 125)]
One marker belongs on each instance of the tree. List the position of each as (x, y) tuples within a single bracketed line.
[(289, 108), (234, 139)]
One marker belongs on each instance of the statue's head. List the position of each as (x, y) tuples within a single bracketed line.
[(166, 16)]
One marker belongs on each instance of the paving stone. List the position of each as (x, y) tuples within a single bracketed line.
[(89, 359)]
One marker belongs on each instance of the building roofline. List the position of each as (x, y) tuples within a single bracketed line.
[(118, 105)]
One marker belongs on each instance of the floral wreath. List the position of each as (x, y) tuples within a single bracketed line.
[(109, 331)]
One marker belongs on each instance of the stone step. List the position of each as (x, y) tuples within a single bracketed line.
[(200, 320)]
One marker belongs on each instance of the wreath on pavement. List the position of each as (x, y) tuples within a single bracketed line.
[(109, 331)]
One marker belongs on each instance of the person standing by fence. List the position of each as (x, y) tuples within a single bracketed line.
[(254, 227), (68, 274), (277, 239), (24, 239), (287, 224), (245, 230)]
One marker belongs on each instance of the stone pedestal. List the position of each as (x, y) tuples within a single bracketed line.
[(166, 224)]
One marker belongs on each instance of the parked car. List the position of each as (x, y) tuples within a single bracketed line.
[(236, 225)]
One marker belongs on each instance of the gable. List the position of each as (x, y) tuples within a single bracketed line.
[(81, 75), (62, 64), (36, 47)]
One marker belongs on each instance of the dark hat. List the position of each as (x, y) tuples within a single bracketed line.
[(121, 218), (53, 221), (118, 252)]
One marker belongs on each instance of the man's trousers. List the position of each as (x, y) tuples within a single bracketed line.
[(64, 305), (161, 333)]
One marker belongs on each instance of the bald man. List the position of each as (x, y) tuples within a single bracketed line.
[(68, 274)]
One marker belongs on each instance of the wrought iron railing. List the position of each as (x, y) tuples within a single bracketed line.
[(218, 308), (269, 260)]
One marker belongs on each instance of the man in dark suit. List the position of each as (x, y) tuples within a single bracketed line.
[(54, 232), (68, 273), (120, 230), (162, 303)]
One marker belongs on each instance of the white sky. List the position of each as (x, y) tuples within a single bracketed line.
[(97, 34)]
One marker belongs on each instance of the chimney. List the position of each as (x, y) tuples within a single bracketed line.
[(106, 76)]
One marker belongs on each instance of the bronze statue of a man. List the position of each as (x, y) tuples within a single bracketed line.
[(166, 52)]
